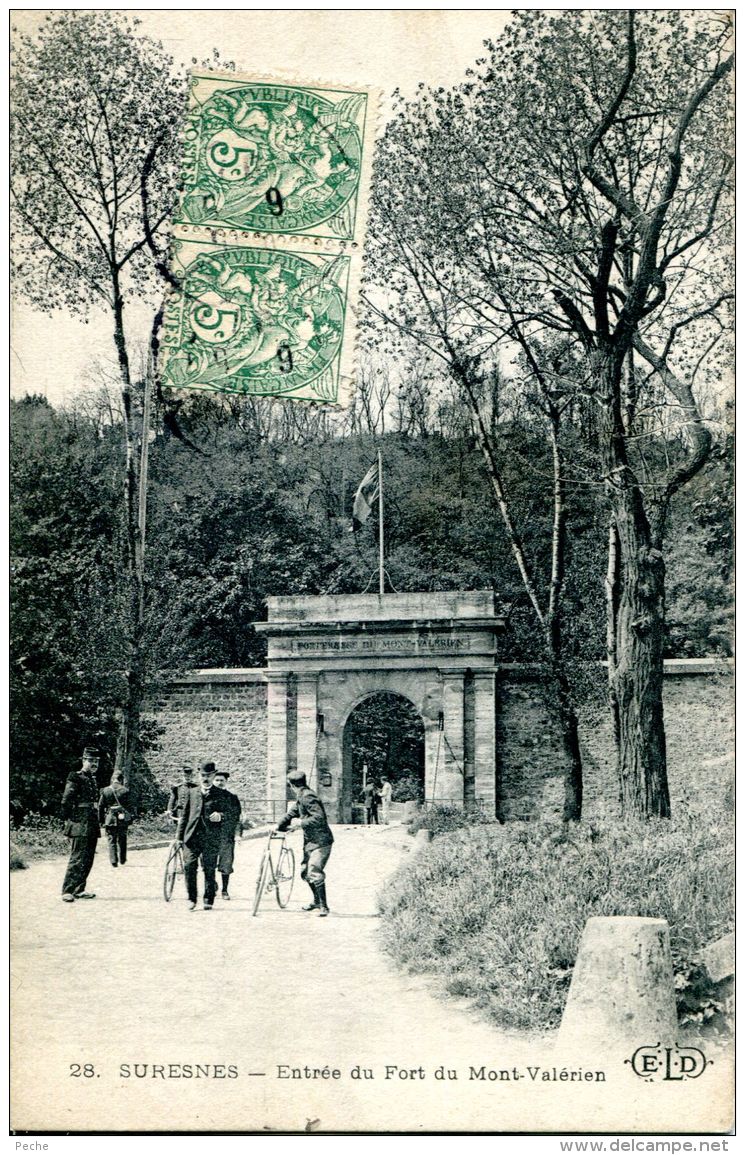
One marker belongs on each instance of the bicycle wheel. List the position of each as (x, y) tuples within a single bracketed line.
[(174, 866), (261, 880), (285, 876)]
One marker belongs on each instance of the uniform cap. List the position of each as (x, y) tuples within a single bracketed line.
[(90, 752)]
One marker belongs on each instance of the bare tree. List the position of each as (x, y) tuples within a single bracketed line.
[(559, 202), (606, 214), (88, 98), (432, 301)]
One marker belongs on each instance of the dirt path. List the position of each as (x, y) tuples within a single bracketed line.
[(127, 979)]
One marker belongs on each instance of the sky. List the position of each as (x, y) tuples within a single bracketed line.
[(387, 50)]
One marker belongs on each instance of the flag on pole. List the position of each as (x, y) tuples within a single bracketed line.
[(364, 497)]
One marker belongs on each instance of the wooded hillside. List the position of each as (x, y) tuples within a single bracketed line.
[(256, 501)]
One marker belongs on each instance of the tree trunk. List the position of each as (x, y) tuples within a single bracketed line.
[(550, 622), (129, 724), (129, 718), (611, 626), (567, 714), (569, 724), (636, 680)]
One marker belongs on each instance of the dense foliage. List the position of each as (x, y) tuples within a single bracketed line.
[(242, 516)]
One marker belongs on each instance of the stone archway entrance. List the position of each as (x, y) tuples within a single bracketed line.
[(383, 735), (329, 653)]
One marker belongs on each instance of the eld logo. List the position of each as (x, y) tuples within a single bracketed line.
[(668, 1063)]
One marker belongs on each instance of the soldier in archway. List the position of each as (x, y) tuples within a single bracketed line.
[(370, 802)]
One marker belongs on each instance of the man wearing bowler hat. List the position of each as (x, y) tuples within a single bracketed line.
[(80, 811), (199, 830), (307, 813)]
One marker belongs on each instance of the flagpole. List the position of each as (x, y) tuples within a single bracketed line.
[(381, 579)]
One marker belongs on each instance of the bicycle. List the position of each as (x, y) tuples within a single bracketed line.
[(174, 867), (278, 877)]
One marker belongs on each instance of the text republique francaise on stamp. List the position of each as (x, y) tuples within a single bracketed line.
[(267, 238)]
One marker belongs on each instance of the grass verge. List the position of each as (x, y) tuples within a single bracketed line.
[(498, 911)]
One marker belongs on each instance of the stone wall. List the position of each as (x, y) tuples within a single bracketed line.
[(222, 715), (213, 715), (699, 725)]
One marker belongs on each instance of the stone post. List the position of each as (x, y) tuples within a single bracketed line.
[(451, 770), (276, 765), (622, 994), (484, 745), (422, 840)]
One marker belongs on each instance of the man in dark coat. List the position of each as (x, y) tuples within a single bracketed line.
[(200, 832), (179, 790), (307, 813), (229, 827), (79, 809), (115, 817), (370, 800)]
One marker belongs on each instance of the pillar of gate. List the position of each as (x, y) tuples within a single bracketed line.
[(485, 740), (307, 724), (277, 741), (450, 786)]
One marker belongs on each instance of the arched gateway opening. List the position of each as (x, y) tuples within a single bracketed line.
[(383, 737), (330, 654)]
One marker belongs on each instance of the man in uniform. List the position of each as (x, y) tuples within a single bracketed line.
[(307, 813), (80, 811), (199, 831), (179, 790), (229, 827)]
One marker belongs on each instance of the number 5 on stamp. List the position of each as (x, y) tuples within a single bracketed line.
[(280, 158), (266, 322)]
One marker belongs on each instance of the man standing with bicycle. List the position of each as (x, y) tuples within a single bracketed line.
[(307, 813), (200, 832)]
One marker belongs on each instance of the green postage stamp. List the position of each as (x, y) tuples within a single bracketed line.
[(263, 321), (268, 234), (275, 157)]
